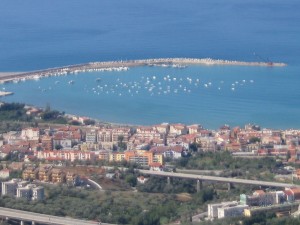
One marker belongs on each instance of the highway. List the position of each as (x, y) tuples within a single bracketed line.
[(43, 218), (219, 179)]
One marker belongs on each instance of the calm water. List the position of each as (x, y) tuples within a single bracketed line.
[(37, 35)]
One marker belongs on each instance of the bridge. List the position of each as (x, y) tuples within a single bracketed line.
[(229, 181), (34, 218)]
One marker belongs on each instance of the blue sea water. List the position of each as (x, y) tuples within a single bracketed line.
[(42, 34)]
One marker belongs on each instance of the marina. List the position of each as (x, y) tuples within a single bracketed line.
[(125, 65), (208, 95)]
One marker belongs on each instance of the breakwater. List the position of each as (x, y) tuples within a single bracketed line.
[(125, 65)]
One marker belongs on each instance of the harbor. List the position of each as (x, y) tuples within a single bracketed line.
[(125, 65), (5, 93)]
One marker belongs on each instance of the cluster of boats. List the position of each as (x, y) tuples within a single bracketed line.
[(158, 85)]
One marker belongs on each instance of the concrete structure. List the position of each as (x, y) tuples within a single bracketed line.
[(30, 133), (10, 187), (231, 211), (219, 179), (38, 193), (291, 207), (91, 136), (4, 174), (212, 211), (24, 192), (43, 218)]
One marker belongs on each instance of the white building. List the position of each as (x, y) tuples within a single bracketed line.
[(231, 211), (213, 208), (24, 192), (10, 187), (91, 137), (30, 133), (38, 193), (178, 129), (21, 189), (4, 174)]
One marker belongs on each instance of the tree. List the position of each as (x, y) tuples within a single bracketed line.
[(254, 140), (194, 146), (58, 147), (121, 144), (131, 180), (89, 122)]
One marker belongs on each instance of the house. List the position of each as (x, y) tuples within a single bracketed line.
[(30, 173), (162, 128), (47, 142), (44, 173), (116, 156), (173, 152), (142, 179), (194, 129), (57, 176), (72, 178), (4, 174), (30, 133), (155, 166), (91, 136), (178, 129)]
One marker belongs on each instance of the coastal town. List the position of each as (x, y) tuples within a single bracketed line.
[(145, 145), (44, 154)]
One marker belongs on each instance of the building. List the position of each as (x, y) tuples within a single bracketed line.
[(249, 200), (116, 156), (30, 133), (57, 176), (30, 173), (162, 128), (47, 143), (142, 179), (44, 174), (123, 133), (178, 129), (38, 193), (194, 129), (173, 152), (70, 155), (213, 208), (31, 192), (282, 208), (231, 211), (91, 136), (144, 157), (10, 187), (72, 179), (4, 174), (105, 135), (24, 192)]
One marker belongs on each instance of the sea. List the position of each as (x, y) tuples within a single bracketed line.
[(37, 35)]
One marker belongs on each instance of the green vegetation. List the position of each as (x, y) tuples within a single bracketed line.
[(258, 168), (113, 207), (14, 112), (260, 219), (159, 185), (53, 116)]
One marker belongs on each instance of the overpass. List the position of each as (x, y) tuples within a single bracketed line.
[(34, 218), (201, 178)]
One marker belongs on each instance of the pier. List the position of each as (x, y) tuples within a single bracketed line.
[(125, 65)]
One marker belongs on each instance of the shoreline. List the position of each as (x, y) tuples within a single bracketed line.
[(125, 65)]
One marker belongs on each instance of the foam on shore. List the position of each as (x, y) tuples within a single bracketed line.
[(125, 65)]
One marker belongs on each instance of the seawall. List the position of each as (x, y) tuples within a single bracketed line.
[(124, 65)]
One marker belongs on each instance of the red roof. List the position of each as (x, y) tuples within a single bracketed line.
[(155, 164)]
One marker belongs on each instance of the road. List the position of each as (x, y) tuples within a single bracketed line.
[(219, 179), (43, 218)]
